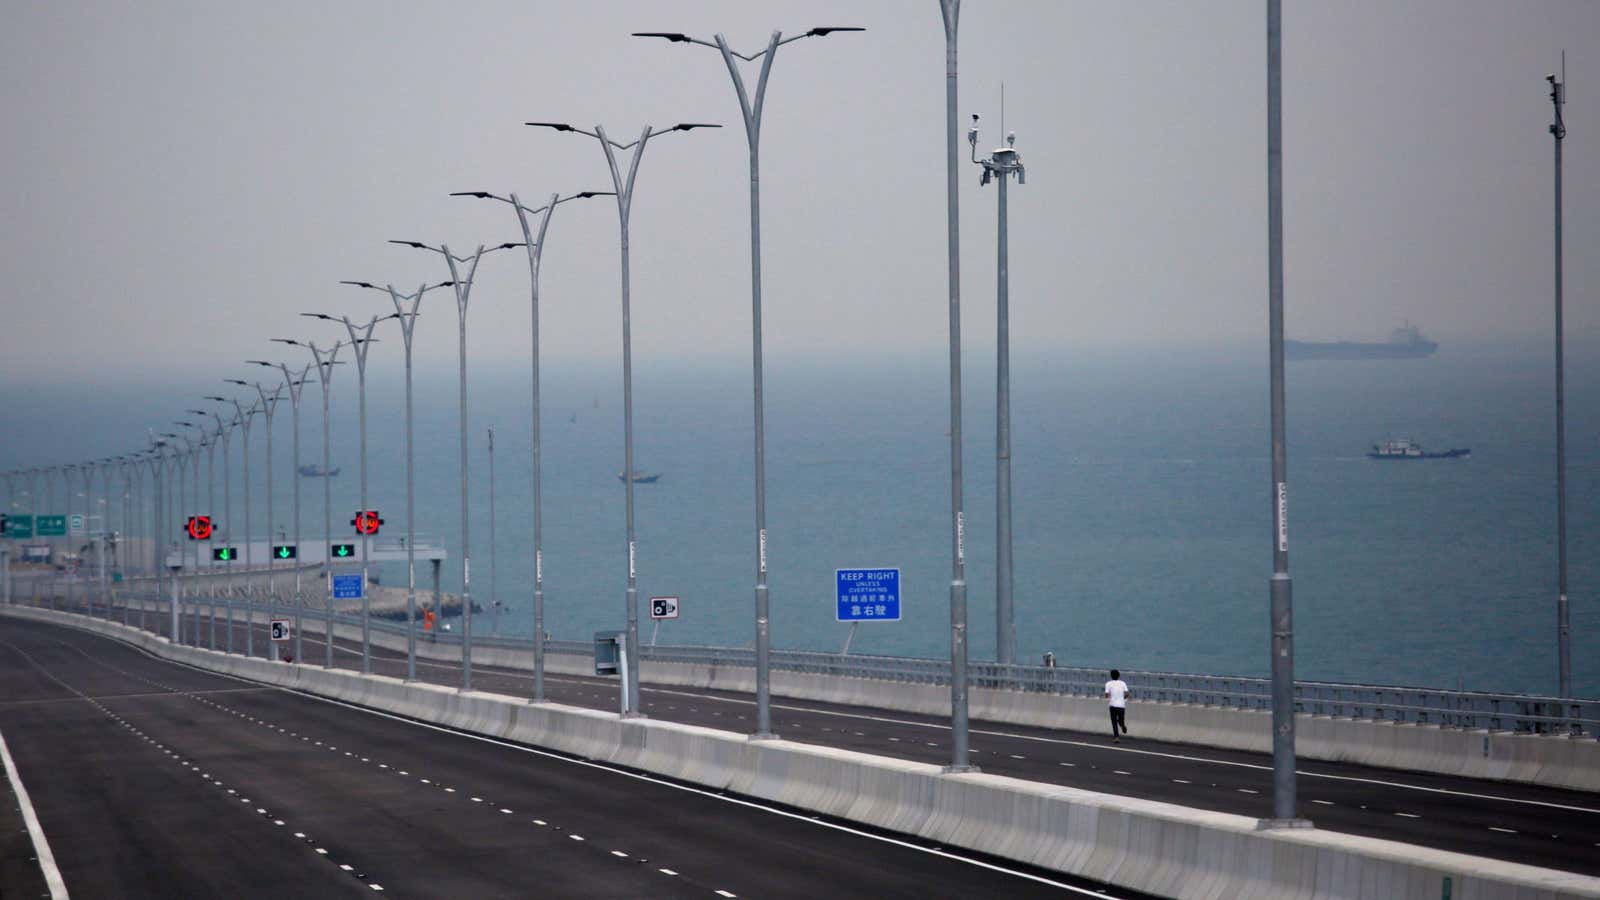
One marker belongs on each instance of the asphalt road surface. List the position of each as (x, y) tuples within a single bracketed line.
[(153, 779), (1534, 825)]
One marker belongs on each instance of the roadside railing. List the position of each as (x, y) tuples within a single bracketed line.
[(1515, 713)]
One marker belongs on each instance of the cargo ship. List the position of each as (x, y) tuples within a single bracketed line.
[(1405, 342), (1404, 449)]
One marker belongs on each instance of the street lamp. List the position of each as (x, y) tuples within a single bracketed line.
[(211, 509), (535, 256), (224, 432), (959, 759), (325, 360), (463, 290), (624, 193), (751, 111), (360, 341), (295, 385), (245, 415), (408, 323), (268, 405), (1558, 133), (1002, 165), (176, 505)]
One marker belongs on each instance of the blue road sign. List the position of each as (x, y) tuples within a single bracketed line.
[(347, 587), (868, 595)]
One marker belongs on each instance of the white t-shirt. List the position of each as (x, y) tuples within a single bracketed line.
[(1118, 691)]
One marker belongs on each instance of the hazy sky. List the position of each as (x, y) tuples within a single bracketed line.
[(182, 178)]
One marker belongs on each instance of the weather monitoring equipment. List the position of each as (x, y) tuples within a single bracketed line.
[(224, 554), (342, 551), (367, 521), (199, 528), (285, 551), (663, 607)]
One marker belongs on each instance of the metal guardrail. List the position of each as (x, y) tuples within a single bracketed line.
[(1516, 713)]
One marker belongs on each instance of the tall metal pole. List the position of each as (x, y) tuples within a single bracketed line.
[(959, 759), (624, 193), (295, 386), (245, 416), (1284, 807), (360, 343), (1004, 164), (408, 322), (1558, 133), (269, 405), (494, 593), (325, 364), (750, 109)]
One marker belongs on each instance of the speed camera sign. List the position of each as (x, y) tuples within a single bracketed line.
[(280, 629), (663, 607)]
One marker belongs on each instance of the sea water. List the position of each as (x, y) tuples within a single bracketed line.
[(1141, 506)]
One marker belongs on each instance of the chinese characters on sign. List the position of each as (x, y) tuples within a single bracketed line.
[(867, 594)]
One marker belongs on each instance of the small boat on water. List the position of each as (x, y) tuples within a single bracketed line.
[(1404, 449), (312, 471), (640, 477)]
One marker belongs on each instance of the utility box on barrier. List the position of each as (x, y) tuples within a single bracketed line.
[(607, 652)]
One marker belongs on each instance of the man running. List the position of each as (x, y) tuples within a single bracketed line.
[(1117, 693)]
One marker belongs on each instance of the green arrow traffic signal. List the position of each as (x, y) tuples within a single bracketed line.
[(343, 550), (285, 551), (223, 554)]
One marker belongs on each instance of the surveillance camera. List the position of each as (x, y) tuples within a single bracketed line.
[(975, 115)]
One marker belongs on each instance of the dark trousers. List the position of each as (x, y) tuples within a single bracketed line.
[(1118, 720)]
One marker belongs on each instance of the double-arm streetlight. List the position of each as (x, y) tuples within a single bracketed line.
[(1558, 133), (244, 415), (180, 462), (535, 246), (463, 290), (211, 509), (750, 108), (325, 360), (295, 385), (268, 404), (360, 342), (623, 188), (224, 431), (407, 317)]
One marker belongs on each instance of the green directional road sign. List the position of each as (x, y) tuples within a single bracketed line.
[(284, 551), (342, 551), (19, 526), (50, 526), (224, 554)]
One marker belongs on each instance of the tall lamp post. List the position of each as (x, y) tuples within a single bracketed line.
[(1558, 133), (211, 509), (224, 431), (325, 360), (463, 290), (180, 461), (535, 248), (295, 384), (959, 758), (360, 342), (1002, 165), (1282, 617), (408, 323), (750, 108), (624, 193), (268, 405), (244, 416)]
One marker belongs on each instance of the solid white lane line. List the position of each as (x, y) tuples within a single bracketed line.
[(41, 847)]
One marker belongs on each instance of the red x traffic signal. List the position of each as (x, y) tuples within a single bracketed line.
[(199, 528), (367, 521)]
